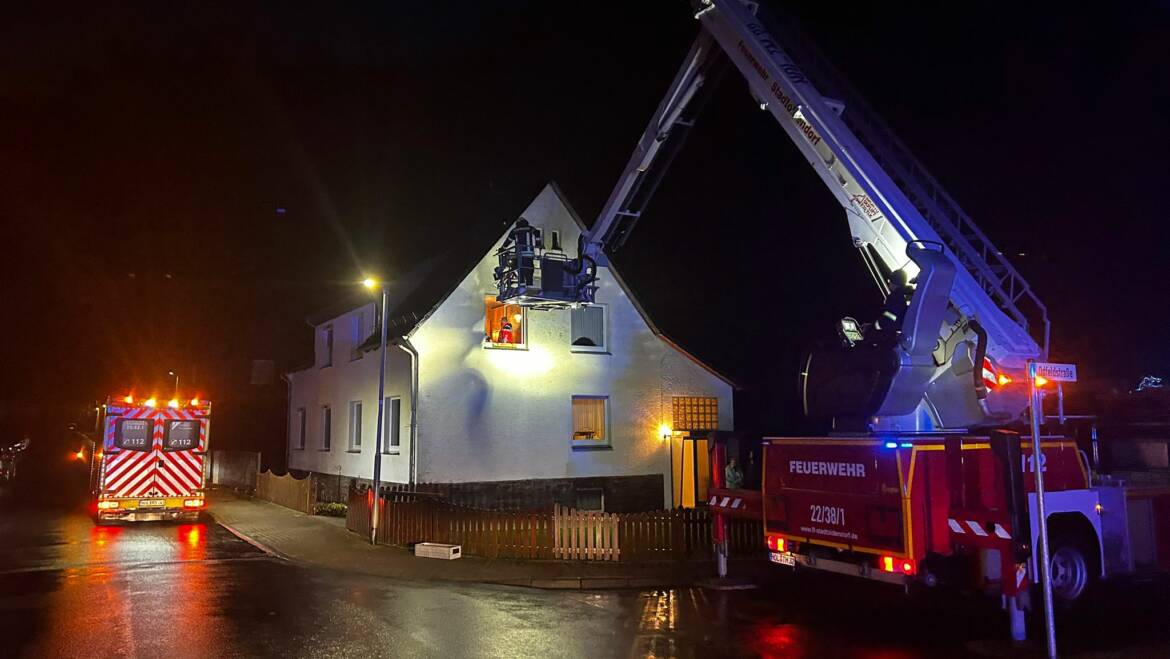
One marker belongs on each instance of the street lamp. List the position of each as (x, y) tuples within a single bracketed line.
[(373, 284), (176, 376)]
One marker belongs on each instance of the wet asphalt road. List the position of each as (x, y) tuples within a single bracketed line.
[(68, 589)]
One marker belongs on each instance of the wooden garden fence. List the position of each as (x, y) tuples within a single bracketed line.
[(407, 518), (296, 493)]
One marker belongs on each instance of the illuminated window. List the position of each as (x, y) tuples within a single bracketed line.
[(695, 413), (590, 421), (504, 325)]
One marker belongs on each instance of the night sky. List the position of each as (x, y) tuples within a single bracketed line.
[(182, 184)]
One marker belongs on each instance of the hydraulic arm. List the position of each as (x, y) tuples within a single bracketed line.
[(969, 312)]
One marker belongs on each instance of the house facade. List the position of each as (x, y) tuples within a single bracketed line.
[(591, 407)]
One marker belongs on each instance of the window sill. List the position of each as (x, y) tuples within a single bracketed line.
[(353, 450), (298, 448), (488, 345), (394, 452), (594, 446), (581, 350), (324, 366), (325, 450)]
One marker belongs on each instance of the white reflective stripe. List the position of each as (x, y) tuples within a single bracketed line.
[(1021, 572), (1002, 532), (735, 504), (955, 526), (723, 504), (712, 501), (976, 528)]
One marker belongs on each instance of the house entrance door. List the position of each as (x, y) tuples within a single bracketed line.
[(690, 473)]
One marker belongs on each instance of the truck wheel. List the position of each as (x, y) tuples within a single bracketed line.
[(1071, 570)]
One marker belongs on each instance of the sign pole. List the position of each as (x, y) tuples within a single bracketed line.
[(1038, 470)]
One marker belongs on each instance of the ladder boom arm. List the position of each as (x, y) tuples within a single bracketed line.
[(884, 216)]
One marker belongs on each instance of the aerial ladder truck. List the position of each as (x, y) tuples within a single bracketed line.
[(922, 482)]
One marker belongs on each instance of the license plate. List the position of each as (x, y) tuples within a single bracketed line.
[(783, 558), (152, 503)]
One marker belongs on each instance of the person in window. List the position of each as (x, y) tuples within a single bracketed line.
[(732, 476), (889, 323), (506, 335)]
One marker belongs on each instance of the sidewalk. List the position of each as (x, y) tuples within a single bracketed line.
[(325, 542)]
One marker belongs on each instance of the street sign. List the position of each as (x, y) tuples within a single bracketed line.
[(1055, 372)]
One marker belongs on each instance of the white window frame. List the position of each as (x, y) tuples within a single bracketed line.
[(357, 335), (586, 444), (326, 429), (355, 429), (328, 340), (604, 347), (523, 345), (302, 428), (392, 425)]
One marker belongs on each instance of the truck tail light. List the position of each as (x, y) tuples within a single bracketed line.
[(193, 503), (896, 565), (777, 544), (107, 505)]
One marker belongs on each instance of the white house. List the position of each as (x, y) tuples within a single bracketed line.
[(573, 407)]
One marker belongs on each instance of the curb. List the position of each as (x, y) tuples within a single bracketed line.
[(564, 583), (271, 551), (593, 583), (539, 583)]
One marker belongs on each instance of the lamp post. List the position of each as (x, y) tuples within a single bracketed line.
[(176, 376), (372, 284)]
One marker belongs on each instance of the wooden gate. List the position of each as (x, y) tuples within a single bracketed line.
[(585, 535)]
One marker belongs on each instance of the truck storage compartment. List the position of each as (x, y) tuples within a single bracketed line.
[(841, 493)]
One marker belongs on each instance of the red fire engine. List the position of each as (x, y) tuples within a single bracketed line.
[(150, 464)]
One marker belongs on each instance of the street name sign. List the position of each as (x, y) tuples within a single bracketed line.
[(1055, 372)]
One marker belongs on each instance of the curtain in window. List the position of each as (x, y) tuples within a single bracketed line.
[(588, 326), (589, 418)]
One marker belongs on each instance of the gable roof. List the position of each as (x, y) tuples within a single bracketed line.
[(417, 295)]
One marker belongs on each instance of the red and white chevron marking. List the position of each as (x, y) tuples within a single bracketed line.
[(990, 377), (726, 502), (155, 472), (972, 527)]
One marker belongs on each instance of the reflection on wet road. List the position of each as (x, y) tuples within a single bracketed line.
[(68, 588)]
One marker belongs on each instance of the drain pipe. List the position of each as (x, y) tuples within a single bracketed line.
[(406, 346)]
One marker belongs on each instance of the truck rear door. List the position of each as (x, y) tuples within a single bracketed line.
[(181, 451), (130, 465), (842, 493)]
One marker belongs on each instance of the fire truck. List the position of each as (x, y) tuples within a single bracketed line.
[(924, 479), (149, 464)]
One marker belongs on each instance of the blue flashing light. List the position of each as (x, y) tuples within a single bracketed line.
[(907, 445), (891, 444)]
